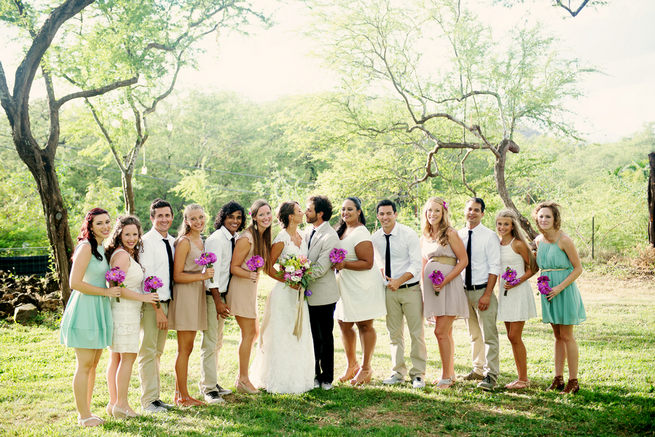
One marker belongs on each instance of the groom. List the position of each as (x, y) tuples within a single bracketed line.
[(321, 239)]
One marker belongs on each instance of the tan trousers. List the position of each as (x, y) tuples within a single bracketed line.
[(484, 335), (212, 341), (153, 340), (407, 302)]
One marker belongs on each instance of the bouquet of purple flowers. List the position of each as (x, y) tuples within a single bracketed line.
[(338, 255), (116, 276), (510, 277), (151, 285), (543, 286), (437, 278), (207, 260), (255, 263)]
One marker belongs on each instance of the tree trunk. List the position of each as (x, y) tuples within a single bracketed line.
[(501, 187), (128, 192), (651, 199)]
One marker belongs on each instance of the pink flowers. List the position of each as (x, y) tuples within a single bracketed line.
[(510, 277), (151, 285), (255, 263), (437, 278), (295, 270), (337, 255), (207, 260), (117, 276), (542, 285)]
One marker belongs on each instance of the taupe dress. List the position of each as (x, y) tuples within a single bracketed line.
[(188, 309), (242, 292)]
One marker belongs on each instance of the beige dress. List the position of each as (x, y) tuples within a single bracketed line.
[(242, 292), (188, 309)]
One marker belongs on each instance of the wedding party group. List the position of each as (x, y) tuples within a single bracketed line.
[(130, 288)]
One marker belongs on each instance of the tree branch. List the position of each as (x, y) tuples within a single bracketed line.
[(568, 8), (6, 99), (97, 91), (105, 133)]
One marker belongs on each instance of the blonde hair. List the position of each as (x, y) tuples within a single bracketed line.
[(261, 243), (444, 225), (184, 226), (519, 234)]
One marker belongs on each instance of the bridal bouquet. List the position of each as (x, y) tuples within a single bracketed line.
[(255, 263), (295, 270), (437, 278), (338, 255), (116, 276), (510, 277), (207, 260), (543, 286), (151, 285)]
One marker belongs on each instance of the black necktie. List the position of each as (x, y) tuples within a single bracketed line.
[(468, 280), (229, 276), (387, 258), (309, 243), (169, 252)]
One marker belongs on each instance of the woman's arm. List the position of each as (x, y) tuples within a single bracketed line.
[(181, 251), (81, 260), (364, 252), (566, 244), (522, 249), (276, 250), (122, 261), (241, 250)]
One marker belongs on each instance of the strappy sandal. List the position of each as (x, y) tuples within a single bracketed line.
[(85, 422), (444, 383), (363, 377), (350, 373), (517, 385)]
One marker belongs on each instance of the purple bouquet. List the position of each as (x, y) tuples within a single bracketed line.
[(207, 260), (510, 277), (337, 255), (254, 263), (117, 276), (437, 278), (542, 285), (152, 284)]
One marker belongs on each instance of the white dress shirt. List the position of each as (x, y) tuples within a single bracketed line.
[(219, 243), (485, 253), (405, 251), (154, 260)]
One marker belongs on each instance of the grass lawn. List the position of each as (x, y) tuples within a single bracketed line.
[(617, 378)]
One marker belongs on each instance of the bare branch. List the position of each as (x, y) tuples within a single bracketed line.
[(463, 171), (97, 91), (6, 99), (568, 8), (105, 133)]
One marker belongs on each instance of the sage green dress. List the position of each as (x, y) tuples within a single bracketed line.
[(566, 308), (87, 322)]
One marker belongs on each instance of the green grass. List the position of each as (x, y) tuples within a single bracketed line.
[(617, 350)]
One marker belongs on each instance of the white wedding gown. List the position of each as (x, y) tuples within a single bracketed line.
[(283, 362)]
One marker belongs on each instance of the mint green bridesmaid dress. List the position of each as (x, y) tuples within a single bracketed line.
[(87, 321)]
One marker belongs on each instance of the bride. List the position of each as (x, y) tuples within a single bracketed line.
[(284, 362)]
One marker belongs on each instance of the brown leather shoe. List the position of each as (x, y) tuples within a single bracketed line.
[(572, 387), (557, 384)]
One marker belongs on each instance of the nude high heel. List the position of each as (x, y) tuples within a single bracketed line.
[(350, 373)]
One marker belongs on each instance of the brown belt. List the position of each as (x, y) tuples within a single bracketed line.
[(449, 260)]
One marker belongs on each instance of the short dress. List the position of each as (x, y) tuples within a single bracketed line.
[(87, 320), (127, 313), (188, 310), (566, 308), (452, 300), (518, 305), (242, 292), (362, 291)]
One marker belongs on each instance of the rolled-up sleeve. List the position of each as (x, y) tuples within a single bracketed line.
[(414, 252), (493, 254)]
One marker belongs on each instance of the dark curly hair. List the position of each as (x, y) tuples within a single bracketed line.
[(87, 234), (227, 209), (115, 239), (322, 204), (341, 226)]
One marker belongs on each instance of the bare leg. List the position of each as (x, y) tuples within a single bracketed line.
[(571, 348), (123, 380), (443, 330), (349, 338), (87, 360), (249, 334), (514, 334), (112, 369), (560, 350), (92, 376), (184, 348), (368, 338)]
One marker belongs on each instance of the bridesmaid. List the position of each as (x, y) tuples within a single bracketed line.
[(515, 306), (242, 290), (123, 252), (443, 251), (188, 309), (562, 307), (87, 324), (362, 292)]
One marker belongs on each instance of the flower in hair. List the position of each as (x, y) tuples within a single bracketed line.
[(445, 205)]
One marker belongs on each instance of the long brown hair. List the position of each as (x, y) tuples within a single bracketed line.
[(115, 239), (261, 243), (519, 234), (444, 225), (86, 232)]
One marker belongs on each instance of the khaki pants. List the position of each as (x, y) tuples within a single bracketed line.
[(407, 302), (153, 340), (212, 341), (484, 334)]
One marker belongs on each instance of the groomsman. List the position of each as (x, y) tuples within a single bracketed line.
[(321, 239), (229, 221), (156, 260), (483, 250), (398, 254)]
